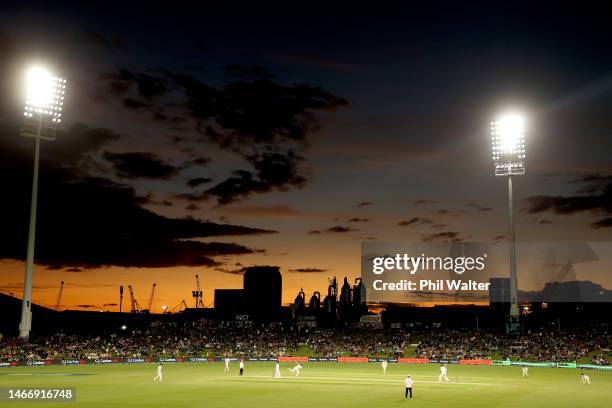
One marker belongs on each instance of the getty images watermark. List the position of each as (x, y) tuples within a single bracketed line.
[(479, 272), (413, 264)]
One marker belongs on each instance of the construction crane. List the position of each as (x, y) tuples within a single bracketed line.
[(197, 294), (120, 298), (59, 297), (148, 309), (133, 301), (178, 308)]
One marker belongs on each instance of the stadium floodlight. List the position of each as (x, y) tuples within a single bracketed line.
[(508, 144), (44, 99)]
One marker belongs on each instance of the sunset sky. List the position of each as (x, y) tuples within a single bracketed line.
[(202, 141)]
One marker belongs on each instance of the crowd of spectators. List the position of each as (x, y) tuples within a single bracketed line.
[(544, 345), (172, 340)]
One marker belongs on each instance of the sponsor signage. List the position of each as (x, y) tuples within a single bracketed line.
[(305, 359), (444, 361), (413, 360), (531, 364), (168, 360), (198, 359), (135, 360), (297, 359), (352, 359), (475, 362), (322, 359)]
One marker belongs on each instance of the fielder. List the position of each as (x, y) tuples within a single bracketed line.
[(241, 366), (159, 377), (277, 373), (296, 370), (384, 366), (525, 371), (443, 374), (226, 368), (585, 379)]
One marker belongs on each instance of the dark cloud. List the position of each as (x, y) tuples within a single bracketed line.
[(542, 222), (142, 85), (273, 171), (192, 207), (340, 229), (424, 201), (438, 225), (140, 165), (603, 223), (238, 271), (86, 306), (244, 113), (594, 195), (110, 304), (478, 207), (442, 237), (259, 119), (86, 221), (364, 203), (74, 270), (77, 145), (198, 181), (314, 232), (443, 211), (356, 219), (307, 270), (498, 238), (198, 161), (415, 221)]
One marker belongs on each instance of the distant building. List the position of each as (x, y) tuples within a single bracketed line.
[(260, 298), (263, 287), (229, 302)]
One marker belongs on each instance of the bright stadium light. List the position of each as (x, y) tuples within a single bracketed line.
[(508, 145), (44, 99), (508, 148), (44, 96)]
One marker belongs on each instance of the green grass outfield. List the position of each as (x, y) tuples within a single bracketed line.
[(320, 385)]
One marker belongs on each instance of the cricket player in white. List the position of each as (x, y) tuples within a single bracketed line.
[(159, 377), (277, 373), (241, 366), (525, 371), (408, 382), (585, 379), (384, 366), (443, 374), (226, 368), (296, 370)]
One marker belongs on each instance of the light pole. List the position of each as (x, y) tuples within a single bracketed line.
[(508, 142), (43, 112)]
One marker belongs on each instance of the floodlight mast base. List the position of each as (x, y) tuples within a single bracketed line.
[(26, 308)]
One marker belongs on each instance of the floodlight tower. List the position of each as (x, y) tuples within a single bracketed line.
[(508, 142), (43, 116)]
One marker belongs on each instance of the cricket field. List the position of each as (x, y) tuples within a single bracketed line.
[(319, 385)]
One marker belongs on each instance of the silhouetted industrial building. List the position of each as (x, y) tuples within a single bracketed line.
[(229, 302), (263, 287), (260, 298)]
